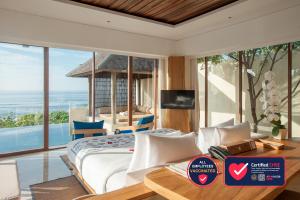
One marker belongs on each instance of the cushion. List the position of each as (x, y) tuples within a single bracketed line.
[(146, 120), (163, 150), (87, 125), (235, 133), (141, 147), (207, 136)]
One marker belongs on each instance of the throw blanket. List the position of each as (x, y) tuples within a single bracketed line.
[(99, 158)]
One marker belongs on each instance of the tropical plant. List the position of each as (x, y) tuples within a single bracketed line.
[(7, 122), (59, 117)]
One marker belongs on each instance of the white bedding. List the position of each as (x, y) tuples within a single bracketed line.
[(103, 161)]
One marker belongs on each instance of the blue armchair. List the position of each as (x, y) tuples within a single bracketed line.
[(145, 123)]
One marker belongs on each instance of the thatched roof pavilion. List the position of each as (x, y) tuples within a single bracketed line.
[(107, 63)]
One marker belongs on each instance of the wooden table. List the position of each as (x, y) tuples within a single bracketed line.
[(176, 187)]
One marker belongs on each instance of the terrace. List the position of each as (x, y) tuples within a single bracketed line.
[(111, 89)]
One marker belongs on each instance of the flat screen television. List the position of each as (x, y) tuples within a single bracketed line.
[(177, 99)]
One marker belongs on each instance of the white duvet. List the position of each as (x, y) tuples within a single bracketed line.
[(103, 161), (99, 171)]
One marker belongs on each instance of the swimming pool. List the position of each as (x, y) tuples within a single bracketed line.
[(31, 137)]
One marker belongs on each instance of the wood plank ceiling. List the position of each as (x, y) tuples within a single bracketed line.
[(166, 11)]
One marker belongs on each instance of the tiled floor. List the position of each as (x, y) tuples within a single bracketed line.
[(39, 167)]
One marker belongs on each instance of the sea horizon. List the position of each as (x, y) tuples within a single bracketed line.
[(26, 102)]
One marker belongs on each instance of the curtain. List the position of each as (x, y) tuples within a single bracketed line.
[(162, 85), (191, 83)]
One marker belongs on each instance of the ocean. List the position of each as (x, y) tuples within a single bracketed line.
[(21, 103)]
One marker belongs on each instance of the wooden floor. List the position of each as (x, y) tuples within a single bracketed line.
[(59, 189)]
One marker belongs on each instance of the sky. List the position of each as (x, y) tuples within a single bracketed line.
[(21, 68)]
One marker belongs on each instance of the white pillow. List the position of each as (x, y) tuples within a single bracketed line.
[(234, 133), (207, 136), (226, 123), (163, 150), (141, 147)]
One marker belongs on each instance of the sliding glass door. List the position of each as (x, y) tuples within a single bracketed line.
[(42, 90), (21, 98), (69, 77)]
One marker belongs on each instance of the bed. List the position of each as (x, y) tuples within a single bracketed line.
[(102, 161)]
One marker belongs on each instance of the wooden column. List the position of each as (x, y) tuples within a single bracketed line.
[(289, 125), (240, 91), (129, 90), (155, 88), (176, 118), (93, 87), (206, 92), (113, 97), (138, 92), (46, 98)]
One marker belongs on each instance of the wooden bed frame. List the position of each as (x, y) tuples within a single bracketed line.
[(136, 192), (76, 173)]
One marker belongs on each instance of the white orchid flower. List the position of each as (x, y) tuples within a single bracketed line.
[(270, 117), (276, 118)]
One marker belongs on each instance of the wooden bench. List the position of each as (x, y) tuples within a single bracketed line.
[(9, 186)]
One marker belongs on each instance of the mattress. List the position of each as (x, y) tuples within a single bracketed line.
[(103, 161)]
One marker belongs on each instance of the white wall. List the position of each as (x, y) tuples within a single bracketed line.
[(24, 28), (279, 27)]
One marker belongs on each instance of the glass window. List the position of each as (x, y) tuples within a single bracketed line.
[(69, 77), (111, 90), (256, 63), (143, 88), (21, 98), (222, 88), (201, 82)]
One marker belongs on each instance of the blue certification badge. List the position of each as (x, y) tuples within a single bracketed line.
[(254, 171), (202, 171)]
